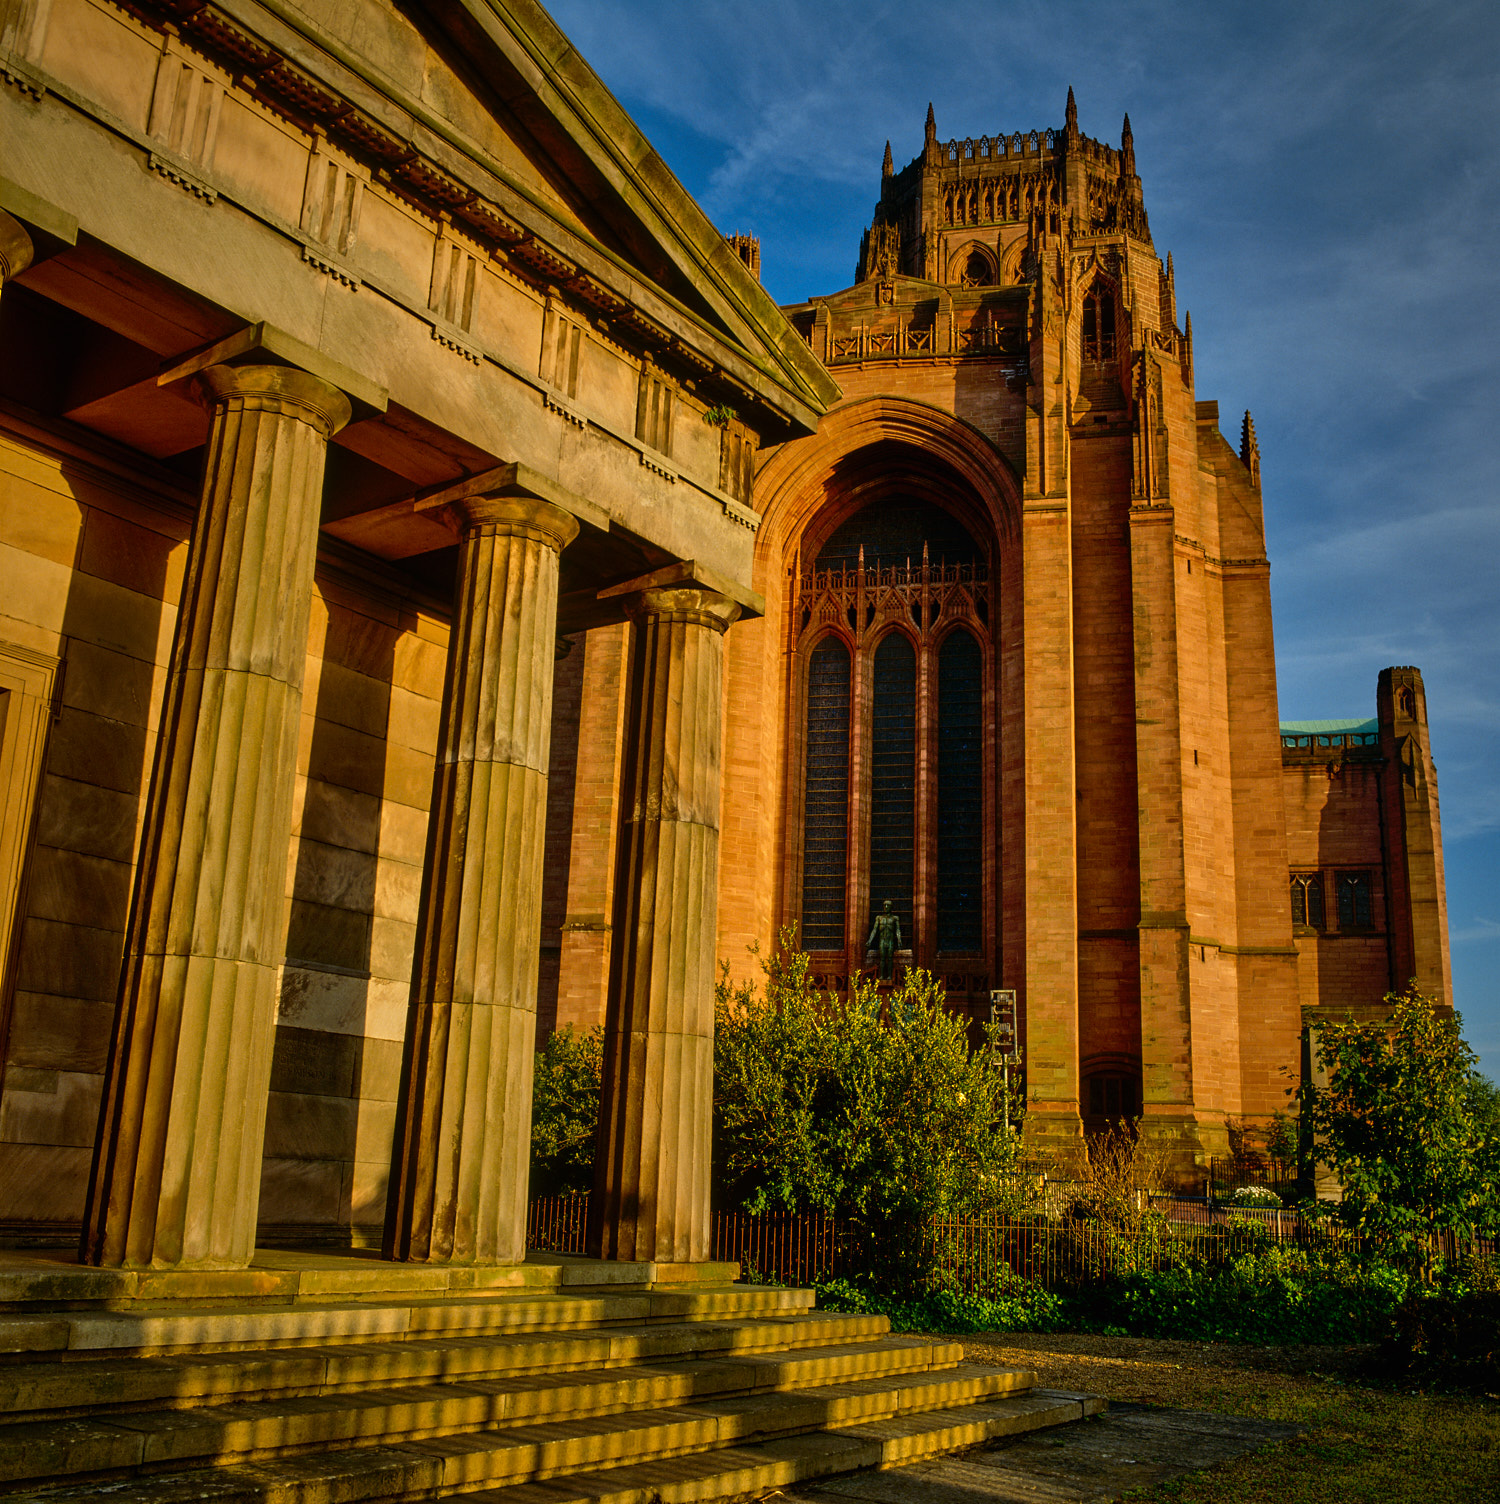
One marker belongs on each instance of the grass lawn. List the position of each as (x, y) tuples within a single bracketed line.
[(1362, 1445)]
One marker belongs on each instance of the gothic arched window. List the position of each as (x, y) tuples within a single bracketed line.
[(893, 663), (1307, 900), (826, 797), (977, 270), (1099, 325)]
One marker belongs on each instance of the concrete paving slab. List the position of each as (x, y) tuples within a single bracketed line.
[(1089, 1462)]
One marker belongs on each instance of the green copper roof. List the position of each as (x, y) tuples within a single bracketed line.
[(1328, 728)]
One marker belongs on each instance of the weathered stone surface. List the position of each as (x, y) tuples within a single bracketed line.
[(651, 1189), (463, 1135), (177, 1161)]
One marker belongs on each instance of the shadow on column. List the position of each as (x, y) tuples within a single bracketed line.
[(562, 769)]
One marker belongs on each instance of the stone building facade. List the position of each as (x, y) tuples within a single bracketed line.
[(1016, 676), (354, 359), (443, 597), (1365, 847)]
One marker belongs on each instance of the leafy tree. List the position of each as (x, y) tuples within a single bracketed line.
[(873, 1109), (1401, 1124), (565, 1112)]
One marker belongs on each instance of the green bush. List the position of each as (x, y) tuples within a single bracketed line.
[(1445, 1338), (1278, 1295), (1019, 1307), (565, 1112), (871, 1108), (1270, 1294), (1410, 1129)]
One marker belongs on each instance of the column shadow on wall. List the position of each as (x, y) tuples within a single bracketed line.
[(335, 1070), (75, 900)]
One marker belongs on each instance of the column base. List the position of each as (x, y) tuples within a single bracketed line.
[(1188, 1140), (1053, 1128)]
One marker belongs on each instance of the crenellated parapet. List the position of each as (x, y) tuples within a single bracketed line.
[(1001, 187)]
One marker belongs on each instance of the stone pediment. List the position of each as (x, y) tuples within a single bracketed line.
[(533, 154)]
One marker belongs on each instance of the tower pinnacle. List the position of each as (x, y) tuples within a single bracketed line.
[(1072, 115), (887, 167), (1250, 449), (931, 124), (1127, 151)]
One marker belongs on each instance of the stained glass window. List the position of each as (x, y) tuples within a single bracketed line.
[(960, 795), (825, 851), (893, 778), (1356, 911)]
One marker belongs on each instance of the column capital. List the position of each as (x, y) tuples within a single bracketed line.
[(689, 604), (515, 517), (15, 248), (280, 388)]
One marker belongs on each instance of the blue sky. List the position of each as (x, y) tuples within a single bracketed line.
[(1328, 180)]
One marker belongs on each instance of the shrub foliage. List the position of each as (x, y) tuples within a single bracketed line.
[(565, 1112), (870, 1107), (1402, 1124)]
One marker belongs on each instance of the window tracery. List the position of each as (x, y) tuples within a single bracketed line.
[(896, 719)]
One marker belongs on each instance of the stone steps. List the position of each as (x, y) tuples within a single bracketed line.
[(319, 1440), (92, 1384), (345, 1381), (246, 1324), (734, 1472), (50, 1278), (136, 1438)]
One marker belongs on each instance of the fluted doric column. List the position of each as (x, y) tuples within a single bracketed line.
[(462, 1149), (15, 248), (176, 1171), (650, 1196)]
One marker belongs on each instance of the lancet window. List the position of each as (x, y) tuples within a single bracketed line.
[(1307, 900), (1099, 325), (893, 667), (1356, 906)]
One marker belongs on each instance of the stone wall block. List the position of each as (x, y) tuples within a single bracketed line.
[(177, 1161), (463, 1133), (651, 1188)]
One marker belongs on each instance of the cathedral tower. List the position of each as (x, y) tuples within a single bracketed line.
[(1016, 671)]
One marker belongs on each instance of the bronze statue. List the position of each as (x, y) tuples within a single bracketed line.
[(885, 940)]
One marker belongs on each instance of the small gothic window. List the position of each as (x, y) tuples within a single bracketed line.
[(977, 271), (1356, 911), (1113, 1096), (1099, 325), (1307, 900)]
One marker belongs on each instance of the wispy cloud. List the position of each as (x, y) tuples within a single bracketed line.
[(1475, 932), (1328, 178)]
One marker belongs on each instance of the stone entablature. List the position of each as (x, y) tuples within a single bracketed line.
[(408, 198)]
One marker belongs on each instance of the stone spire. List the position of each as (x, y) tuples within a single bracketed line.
[(1127, 151), (929, 140), (887, 167), (1249, 449), (1072, 116)]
